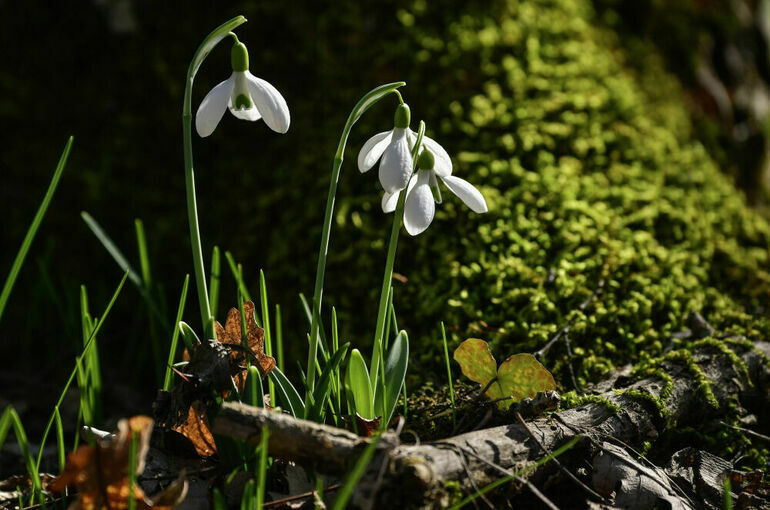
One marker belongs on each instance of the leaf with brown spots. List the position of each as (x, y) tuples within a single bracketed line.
[(520, 376), (100, 472)]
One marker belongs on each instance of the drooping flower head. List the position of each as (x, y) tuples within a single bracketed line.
[(393, 150), (420, 204), (246, 96)]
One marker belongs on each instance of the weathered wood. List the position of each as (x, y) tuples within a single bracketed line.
[(417, 475), (328, 449)]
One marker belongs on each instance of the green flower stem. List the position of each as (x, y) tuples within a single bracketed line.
[(387, 278), (192, 208), (363, 104)]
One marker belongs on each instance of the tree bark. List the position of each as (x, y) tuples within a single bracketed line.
[(429, 475)]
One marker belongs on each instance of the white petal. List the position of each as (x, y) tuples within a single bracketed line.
[(213, 107), (389, 202), (435, 188), (244, 114), (270, 104), (396, 163), (373, 149), (443, 166), (420, 207), (467, 193)]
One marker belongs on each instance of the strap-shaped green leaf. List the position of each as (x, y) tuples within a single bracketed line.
[(189, 337), (287, 393), (395, 373), (357, 384), (324, 383)]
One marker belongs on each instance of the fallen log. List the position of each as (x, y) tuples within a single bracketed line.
[(687, 391)]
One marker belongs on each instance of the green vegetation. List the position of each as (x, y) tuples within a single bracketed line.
[(588, 175)]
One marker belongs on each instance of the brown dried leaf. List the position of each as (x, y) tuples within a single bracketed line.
[(367, 428), (231, 334), (197, 430), (172, 495), (100, 472)]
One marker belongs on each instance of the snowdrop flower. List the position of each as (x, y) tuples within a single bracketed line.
[(394, 151), (247, 97), (420, 204)]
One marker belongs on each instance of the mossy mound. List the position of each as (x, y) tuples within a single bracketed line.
[(591, 173)]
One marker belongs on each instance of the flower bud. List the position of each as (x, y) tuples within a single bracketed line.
[(239, 57), (426, 161), (402, 117)]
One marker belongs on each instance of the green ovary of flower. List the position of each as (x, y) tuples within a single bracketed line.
[(242, 101), (426, 161)]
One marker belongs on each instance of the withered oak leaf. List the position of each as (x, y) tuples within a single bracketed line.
[(101, 472), (231, 334)]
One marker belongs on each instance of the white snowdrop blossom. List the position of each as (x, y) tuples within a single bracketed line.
[(420, 205), (246, 96), (394, 151)]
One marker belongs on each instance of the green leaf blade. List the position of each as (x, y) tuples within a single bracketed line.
[(287, 392), (395, 373), (321, 391), (358, 384), (30, 236)]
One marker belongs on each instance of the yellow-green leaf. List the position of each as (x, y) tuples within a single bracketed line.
[(476, 361), (522, 376)]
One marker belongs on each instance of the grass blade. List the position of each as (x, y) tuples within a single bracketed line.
[(144, 259), (449, 375), (289, 395), (268, 342), (356, 473), (189, 337), (238, 276), (79, 360), (255, 394), (278, 336), (336, 390), (30, 236), (322, 345), (112, 249), (216, 271), (132, 461), (11, 419), (321, 391), (60, 448), (175, 337), (262, 467)]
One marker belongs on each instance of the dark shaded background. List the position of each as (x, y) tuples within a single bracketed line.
[(112, 74)]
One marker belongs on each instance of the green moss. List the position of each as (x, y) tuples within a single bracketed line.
[(588, 176), (702, 382), (454, 491), (649, 367), (572, 399), (721, 347), (658, 403)]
